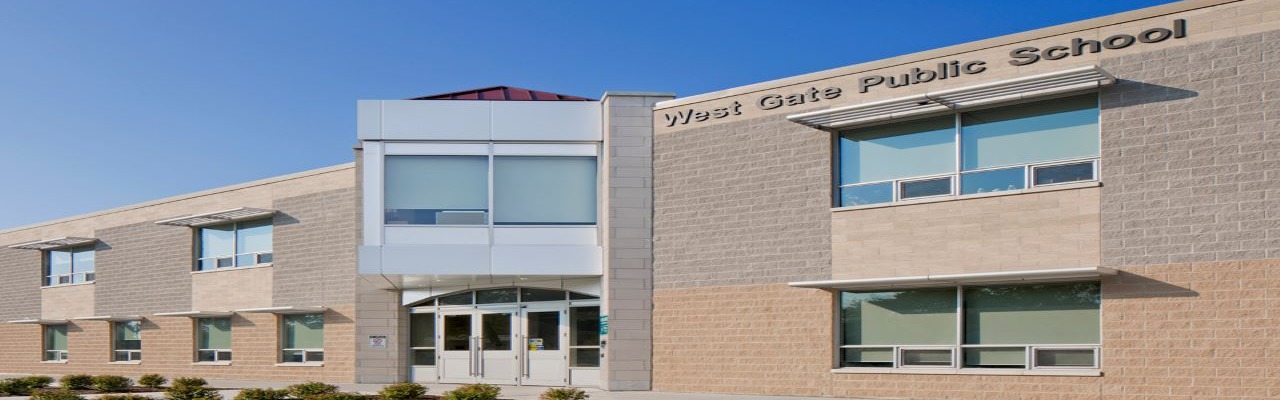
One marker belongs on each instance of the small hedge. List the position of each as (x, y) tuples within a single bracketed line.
[(112, 383), (76, 382), (190, 389), (402, 391), (123, 397), (309, 389), (564, 394), (15, 387), (339, 396), (37, 381), (190, 381), (263, 394), (55, 394), (474, 392), (152, 380)]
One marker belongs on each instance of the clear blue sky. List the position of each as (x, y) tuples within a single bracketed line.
[(104, 104)]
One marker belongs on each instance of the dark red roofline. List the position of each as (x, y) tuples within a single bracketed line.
[(503, 93)]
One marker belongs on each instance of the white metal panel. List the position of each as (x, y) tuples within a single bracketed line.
[(441, 259), (582, 377), (435, 120), (545, 149), (426, 234), (552, 235), (547, 260), (547, 120), (372, 193), (422, 374), (369, 259), (369, 119), (440, 149), (590, 286)]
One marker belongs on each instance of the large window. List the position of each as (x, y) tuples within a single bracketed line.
[(213, 339), (584, 337), (240, 244), (1053, 325), (982, 151), (126, 341), (454, 190), (302, 338), (55, 342), (69, 266), (422, 338)]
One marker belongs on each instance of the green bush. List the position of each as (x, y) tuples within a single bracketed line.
[(37, 381), (338, 396), (111, 383), (474, 392), (190, 389), (263, 394), (76, 382), (190, 381), (564, 394), (123, 397), (55, 394), (15, 387), (402, 391), (309, 389), (152, 380)]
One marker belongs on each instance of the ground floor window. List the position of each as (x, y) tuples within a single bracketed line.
[(422, 339), (1052, 325), (302, 338), (55, 342), (126, 341), (584, 337), (213, 339)]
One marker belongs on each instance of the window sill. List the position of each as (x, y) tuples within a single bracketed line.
[(67, 285), (54, 362), (970, 371), (232, 269), (301, 364), (124, 362), (214, 363), (1038, 189)]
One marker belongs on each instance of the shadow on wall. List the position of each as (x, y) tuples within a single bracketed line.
[(1126, 285), (282, 219), (1128, 93)]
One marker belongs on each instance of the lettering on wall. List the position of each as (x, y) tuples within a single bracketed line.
[(943, 70)]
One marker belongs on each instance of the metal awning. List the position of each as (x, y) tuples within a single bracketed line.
[(219, 217), (38, 321), (195, 314), (50, 244), (1032, 276), (110, 318), (285, 310), (1027, 87)]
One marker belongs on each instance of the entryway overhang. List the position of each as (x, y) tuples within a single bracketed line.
[(1002, 277)]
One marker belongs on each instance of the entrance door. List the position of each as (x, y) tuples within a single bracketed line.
[(457, 362), (479, 346), (545, 360)]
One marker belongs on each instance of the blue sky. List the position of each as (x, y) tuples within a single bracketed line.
[(104, 104)]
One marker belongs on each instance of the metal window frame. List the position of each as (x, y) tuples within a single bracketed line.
[(306, 354), (86, 276), (130, 355), (1033, 168), (217, 357), (235, 243), (60, 355)]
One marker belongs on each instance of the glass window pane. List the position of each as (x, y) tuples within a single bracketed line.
[(1064, 173), (900, 150), (929, 357), (206, 355), (1060, 313), (213, 333), (581, 296), (925, 188), (493, 296), (871, 357), (544, 190), (303, 331), (253, 237), (530, 294), (217, 241), (996, 357), (422, 330), (544, 330), (584, 357), (1064, 358), (584, 326), (908, 317), (460, 299), (59, 262), (495, 331), (55, 337), (127, 335), (83, 259), (866, 194), (457, 332), (996, 180), (447, 190), (1056, 129), (424, 357)]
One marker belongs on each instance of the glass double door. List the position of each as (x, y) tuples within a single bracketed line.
[(503, 346)]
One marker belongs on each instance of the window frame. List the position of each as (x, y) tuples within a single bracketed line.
[(87, 277), (572, 348), (235, 242), (131, 355), (60, 356), (217, 353), (414, 349), (957, 174), (306, 352)]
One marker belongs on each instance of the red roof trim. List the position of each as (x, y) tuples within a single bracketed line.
[(503, 93)]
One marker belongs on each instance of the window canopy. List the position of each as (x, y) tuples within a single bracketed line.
[(1027, 87), (286, 310), (37, 321), (50, 244), (110, 318), (218, 217), (1031, 276), (195, 314)]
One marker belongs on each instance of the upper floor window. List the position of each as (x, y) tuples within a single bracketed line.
[(990, 150), (238, 244), (69, 266), (437, 190)]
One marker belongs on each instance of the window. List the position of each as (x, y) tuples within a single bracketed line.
[(69, 266), (544, 190), (1009, 326), (302, 338), (55, 342), (584, 337), (240, 244), (436, 190), (982, 151), (213, 339), (422, 338), (126, 341)]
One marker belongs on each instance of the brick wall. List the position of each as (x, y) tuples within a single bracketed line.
[(142, 269), (20, 280), (314, 245)]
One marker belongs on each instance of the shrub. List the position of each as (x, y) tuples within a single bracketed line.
[(309, 389), (37, 381), (190, 381), (339, 396), (55, 394), (402, 391), (263, 394), (564, 394), (190, 389), (123, 397), (111, 383), (76, 382), (15, 387), (152, 380), (474, 392)]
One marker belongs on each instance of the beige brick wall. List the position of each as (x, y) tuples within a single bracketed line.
[(1054, 229), (251, 287), (64, 302)]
